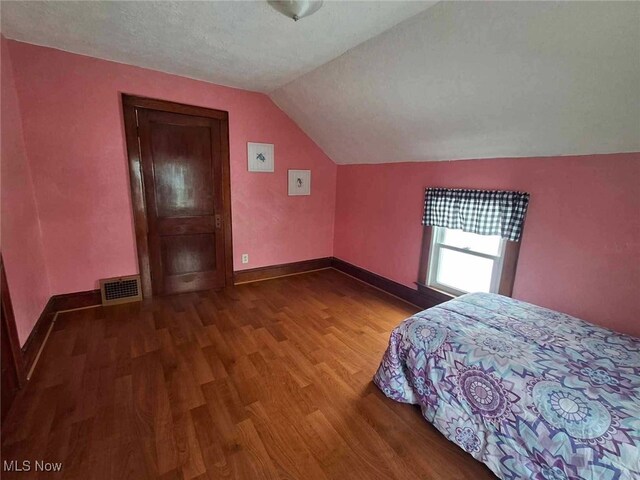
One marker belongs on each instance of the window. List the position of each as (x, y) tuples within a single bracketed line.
[(471, 241), (461, 262)]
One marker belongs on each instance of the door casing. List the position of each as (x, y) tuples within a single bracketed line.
[(130, 104)]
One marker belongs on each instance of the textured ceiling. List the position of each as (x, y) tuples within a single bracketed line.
[(244, 44), (480, 80), (432, 81)]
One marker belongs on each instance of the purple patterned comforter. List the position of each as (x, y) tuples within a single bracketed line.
[(530, 392)]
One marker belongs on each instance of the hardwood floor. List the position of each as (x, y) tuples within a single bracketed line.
[(264, 380)]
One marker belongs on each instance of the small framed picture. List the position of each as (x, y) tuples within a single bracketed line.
[(260, 157), (299, 182)]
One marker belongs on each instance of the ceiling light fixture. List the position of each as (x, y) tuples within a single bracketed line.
[(296, 9)]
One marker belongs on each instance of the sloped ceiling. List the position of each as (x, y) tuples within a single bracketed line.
[(480, 80), (432, 81), (244, 44)]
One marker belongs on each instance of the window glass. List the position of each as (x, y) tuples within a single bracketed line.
[(489, 244), (463, 271)]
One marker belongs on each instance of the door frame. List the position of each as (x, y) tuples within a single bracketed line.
[(130, 103)]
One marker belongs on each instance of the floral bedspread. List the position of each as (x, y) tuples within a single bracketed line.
[(530, 392)]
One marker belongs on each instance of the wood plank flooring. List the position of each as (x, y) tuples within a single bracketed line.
[(266, 380)]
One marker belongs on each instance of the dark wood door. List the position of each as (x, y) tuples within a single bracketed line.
[(181, 160), (11, 359)]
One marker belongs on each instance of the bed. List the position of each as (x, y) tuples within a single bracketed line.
[(530, 392)]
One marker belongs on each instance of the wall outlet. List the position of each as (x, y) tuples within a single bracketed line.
[(245, 258)]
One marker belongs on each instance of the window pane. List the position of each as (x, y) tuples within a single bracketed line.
[(463, 271), (489, 244)]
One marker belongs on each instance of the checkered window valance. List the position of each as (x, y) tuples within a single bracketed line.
[(485, 212)]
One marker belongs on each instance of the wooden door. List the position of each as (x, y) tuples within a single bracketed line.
[(183, 158), (11, 362)]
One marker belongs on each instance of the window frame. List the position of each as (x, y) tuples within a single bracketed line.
[(502, 284), (437, 244)]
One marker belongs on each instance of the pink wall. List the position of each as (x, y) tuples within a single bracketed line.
[(20, 236), (74, 137), (581, 248), (579, 254)]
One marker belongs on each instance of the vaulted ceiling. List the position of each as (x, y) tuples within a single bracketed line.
[(375, 82), (244, 44), (467, 80)]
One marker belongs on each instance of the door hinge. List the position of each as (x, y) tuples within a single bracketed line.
[(218, 221)]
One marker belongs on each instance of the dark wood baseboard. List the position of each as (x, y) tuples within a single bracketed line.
[(424, 298), (71, 301), (273, 271), (56, 303), (408, 294), (36, 338)]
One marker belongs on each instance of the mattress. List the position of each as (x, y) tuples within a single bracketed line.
[(530, 392)]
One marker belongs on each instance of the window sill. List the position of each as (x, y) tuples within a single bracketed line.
[(433, 293)]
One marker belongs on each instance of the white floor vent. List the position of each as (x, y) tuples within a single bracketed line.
[(120, 290)]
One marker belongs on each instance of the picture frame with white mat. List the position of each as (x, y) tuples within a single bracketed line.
[(299, 182)]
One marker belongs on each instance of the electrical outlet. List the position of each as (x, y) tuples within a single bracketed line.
[(245, 258)]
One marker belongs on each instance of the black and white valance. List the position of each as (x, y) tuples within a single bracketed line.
[(485, 212)]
